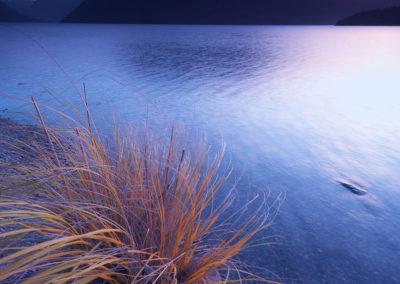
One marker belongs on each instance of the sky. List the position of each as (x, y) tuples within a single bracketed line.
[(321, 11)]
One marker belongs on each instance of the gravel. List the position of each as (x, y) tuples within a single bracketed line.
[(15, 141)]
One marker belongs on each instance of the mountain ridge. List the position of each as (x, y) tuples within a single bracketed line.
[(51, 10), (142, 12), (377, 17), (235, 12), (7, 14)]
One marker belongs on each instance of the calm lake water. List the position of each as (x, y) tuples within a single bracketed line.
[(299, 108)]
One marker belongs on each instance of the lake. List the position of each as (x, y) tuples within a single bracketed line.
[(298, 107)]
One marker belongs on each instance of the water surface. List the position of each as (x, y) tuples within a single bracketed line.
[(299, 108)]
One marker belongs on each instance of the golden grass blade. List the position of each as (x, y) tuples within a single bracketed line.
[(121, 209)]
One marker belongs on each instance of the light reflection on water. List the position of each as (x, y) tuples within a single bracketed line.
[(298, 107)]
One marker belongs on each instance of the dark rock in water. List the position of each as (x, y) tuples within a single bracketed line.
[(352, 186)]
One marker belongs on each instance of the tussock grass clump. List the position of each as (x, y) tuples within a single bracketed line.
[(120, 208)]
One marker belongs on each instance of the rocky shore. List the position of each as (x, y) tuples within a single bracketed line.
[(14, 140)]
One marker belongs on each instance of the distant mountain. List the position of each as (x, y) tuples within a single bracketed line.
[(51, 10), (380, 17), (18, 5), (183, 12), (7, 14)]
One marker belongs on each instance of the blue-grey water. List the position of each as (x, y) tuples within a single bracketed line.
[(299, 108)]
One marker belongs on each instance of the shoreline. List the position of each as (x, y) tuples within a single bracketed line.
[(18, 143), (15, 141), (10, 132)]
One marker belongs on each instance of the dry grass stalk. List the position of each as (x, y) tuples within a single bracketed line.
[(131, 209)]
